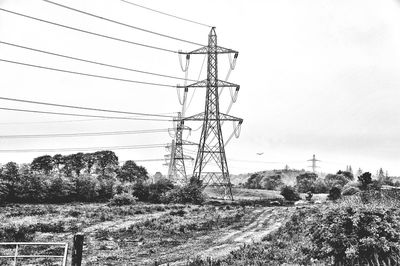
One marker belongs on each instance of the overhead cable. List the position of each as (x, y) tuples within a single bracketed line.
[(83, 134), (89, 32), (82, 108), (132, 147), (87, 74), (91, 62), (82, 115), (121, 23), (166, 14)]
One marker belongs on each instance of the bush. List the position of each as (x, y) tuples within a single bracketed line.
[(356, 233), (335, 193), (289, 193), (190, 193), (122, 199), (305, 182), (349, 190), (320, 186)]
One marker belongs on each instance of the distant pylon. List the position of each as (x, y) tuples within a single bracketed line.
[(314, 163), (176, 168), (211, 166)]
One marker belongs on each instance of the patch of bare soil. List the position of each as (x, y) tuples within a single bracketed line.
[(257, 224)]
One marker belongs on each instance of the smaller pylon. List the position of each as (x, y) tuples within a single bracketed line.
[(314, 163), (176, 169)]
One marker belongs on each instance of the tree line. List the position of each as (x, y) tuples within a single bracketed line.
[(62, 178)]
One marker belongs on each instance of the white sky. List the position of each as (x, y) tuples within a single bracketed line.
[(317, 77)]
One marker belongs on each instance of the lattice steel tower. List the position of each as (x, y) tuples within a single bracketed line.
[(314, 163), (211, 165), (176, 169)]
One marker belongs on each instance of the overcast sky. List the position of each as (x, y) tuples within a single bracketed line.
[(317, 77)]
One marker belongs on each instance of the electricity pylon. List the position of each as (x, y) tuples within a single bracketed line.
[(211, 166), (314, 163), (176, 167)]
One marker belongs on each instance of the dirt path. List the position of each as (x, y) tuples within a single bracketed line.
[(258, 224)]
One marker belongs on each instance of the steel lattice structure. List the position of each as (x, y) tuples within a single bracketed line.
[(211, 166), (176, 169)]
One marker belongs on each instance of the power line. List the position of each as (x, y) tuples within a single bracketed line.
[(132, 147), (83, 108), (84, 134), (88, 75), (121, 23), (166, 14), (92, 62), (81, 115), (89, 32)]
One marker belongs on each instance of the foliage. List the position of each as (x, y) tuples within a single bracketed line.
[(348, 174), (356, 233), (43, 164), (350, 190), (106, 162), (320, 186), (338, 180), (334, 193), (365, 179), (122, 199), (289, 193), (260, 181), (190, 193), (131, 172), (305, 182)]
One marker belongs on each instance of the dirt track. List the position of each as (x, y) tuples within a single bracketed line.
[(258, 224)]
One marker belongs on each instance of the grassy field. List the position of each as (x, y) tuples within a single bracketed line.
[(140, 234)]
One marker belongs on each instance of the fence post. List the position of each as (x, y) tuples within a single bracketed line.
[(77, 250)]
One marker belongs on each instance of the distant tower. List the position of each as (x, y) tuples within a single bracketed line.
[(313, 163)]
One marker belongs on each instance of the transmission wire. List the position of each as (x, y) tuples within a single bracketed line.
[(87, 74), (121, 23), (89, 32)]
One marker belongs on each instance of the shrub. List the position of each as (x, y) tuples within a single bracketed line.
[(349, 190), (320, 186), (365, 179), (335, 193), (289, 193), (305, 182), (338, 180), (190, 193), (356, 233), (122, 199)]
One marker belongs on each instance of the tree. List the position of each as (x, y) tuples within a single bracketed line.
[(272, 182), (106, 162), (58, 161), (10, 176), (289, 193), (43, 164), (254, 181), (348, 174), (89, 160), (335, 193), (131, 172), (77, 163), (305, 182), (339, 179), (365, 179)]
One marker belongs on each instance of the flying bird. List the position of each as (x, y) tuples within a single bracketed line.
[(260, 153)]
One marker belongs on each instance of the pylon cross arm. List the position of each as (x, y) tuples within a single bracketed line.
[(208, 49), (222, 117), (204, 84)]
